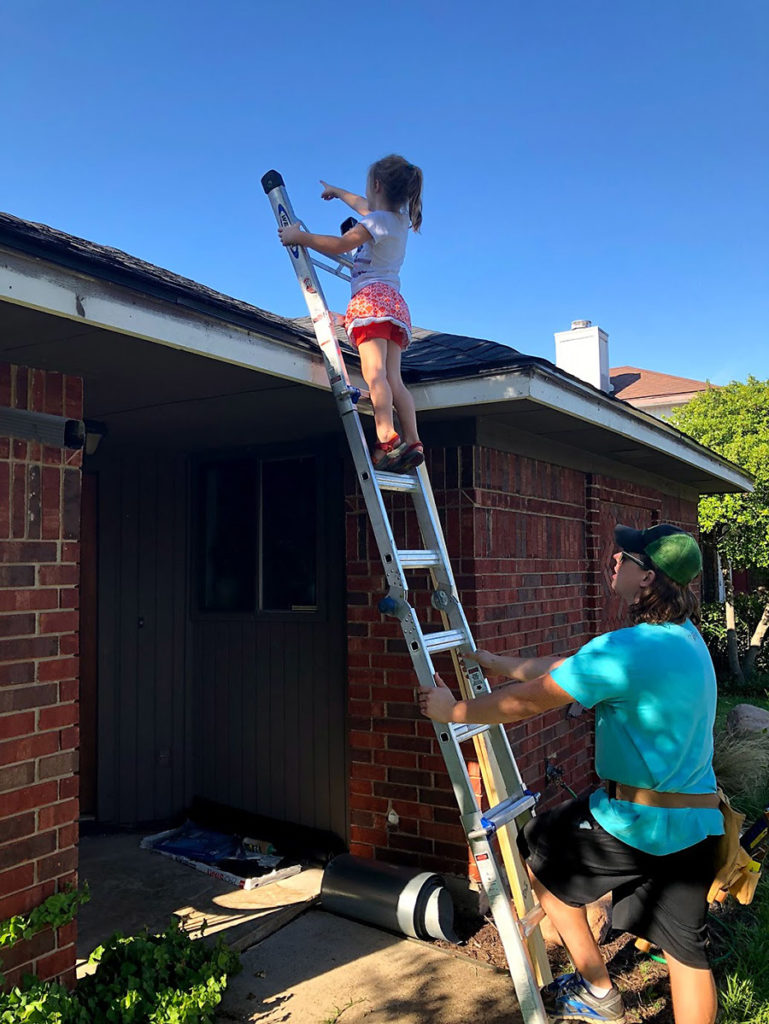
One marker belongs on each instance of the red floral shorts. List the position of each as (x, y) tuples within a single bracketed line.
[(378, 311)]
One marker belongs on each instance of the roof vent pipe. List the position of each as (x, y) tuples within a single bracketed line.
[(583, 351)]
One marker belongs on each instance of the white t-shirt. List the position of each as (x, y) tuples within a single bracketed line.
[(381, 259)]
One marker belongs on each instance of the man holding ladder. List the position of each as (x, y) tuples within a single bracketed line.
[(649, 834)]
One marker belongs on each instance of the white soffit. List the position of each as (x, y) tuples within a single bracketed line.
[(573, 399), (45, 287)]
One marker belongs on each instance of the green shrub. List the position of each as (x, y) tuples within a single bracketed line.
[(145, 979)]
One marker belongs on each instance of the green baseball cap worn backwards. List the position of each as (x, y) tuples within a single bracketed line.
[(668, 548)]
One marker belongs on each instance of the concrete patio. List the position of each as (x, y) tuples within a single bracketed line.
[(300, 964)]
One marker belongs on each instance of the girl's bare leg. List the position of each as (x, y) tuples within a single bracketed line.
[(404, 403), (373, 364)]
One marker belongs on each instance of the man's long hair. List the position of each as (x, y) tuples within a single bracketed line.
[(666, 601)]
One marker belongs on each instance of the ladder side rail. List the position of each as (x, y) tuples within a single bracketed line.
[(516, 951), (325, 330)]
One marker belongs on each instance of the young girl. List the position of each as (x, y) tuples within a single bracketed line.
[(377, 320)]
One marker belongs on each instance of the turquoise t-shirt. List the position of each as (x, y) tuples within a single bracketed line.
[(654, 693)]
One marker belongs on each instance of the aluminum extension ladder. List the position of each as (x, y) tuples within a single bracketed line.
[(519, 928)]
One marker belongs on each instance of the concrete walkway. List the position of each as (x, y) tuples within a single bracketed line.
[(321, 969), (300, 964)]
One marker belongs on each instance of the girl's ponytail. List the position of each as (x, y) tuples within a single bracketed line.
[(415, 198)]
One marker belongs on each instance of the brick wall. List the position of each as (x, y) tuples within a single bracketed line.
[(39, 566), (531, 544)]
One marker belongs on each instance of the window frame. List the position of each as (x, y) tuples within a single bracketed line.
[(256, 458)]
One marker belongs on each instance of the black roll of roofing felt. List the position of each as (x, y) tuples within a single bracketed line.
[(404, 900)]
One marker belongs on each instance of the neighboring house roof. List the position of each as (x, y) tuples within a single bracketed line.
[(631, 383), (65, 299)]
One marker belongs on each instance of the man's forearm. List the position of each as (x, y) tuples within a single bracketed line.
[(502, 705), (522, 670)]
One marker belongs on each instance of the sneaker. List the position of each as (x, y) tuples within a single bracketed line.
[(569, 998)]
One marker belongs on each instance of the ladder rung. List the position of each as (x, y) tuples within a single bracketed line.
[(446, 641), (397, 482), (419, 559), (466, 732), (498, 816)]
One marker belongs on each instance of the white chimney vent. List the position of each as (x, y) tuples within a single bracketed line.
[(583, 351)]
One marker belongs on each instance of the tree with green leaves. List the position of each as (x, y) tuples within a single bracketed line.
[(734, 421)]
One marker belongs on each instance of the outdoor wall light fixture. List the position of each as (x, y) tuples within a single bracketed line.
[(94, 432)]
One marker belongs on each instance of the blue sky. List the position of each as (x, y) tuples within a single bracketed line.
[(604, 160)]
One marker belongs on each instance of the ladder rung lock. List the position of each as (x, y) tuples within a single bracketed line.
[(397, 482), (445, 641), (419, 559), (466, 732), (500, 815)]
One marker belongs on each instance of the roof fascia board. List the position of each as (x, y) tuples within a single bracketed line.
[(568, 396), (47, 288)]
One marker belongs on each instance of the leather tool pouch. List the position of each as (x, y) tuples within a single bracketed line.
[(736, 872)]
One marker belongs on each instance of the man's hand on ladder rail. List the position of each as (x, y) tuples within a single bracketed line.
[(436, 702)]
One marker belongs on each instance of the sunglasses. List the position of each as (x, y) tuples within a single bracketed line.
[(625, 556)]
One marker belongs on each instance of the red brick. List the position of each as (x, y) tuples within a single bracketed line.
[(26, 951), (29, 798), (63, 813), (23, 902), (27, 551), (69, 597), (16, 576), (17, 827), (58, 622), (17, 879), (29, 849), (56, 765), (27, 600), (57, 717), (68, 835), (69, 787), (22, 648), (17, 725), (55, 964), (27, 697), (16, 672), (61, 668), (57, 864), (68, 690), (57, 575), (27, 748)]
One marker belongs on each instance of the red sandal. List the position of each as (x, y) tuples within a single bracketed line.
[(391, 453), (413, 455)]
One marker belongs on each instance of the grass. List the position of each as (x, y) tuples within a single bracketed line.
[(741, 976), (741, 935)]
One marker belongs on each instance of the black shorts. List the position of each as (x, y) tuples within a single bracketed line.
[(661, 899)]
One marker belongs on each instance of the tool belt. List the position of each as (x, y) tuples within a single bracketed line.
[(736, 872), (653, 798)]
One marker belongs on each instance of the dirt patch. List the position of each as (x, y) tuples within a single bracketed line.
[(643, 982)]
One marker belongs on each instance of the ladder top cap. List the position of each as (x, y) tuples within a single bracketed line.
[(271, 180)]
